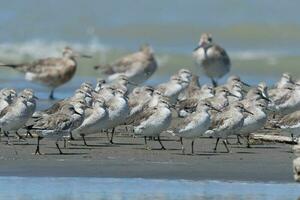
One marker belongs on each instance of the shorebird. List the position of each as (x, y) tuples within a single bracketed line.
[(95, 119), (14, 116), (192, 89), (139, 97), (173, 88), (285, 80), (57, 125), (236, 90), (263, 88), (118, 111), (138, 67), (287, 100), (51, 72), (253, 123), (290, 123), (7, 97), (193, 126), (153, 121), (121, 82), (212, 58), (227, 123), (79, 95), (219, 101)]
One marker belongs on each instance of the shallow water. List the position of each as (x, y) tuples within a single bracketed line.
[(262, 37), (114, 189)]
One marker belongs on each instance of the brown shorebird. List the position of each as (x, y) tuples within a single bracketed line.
[(51, 72), (212, 58), (138, 67)]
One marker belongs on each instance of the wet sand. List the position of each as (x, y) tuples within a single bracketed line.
[(128, 158)]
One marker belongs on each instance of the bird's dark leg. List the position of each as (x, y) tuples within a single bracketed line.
[(37, 151), (112, 135), (214, 82), (238, 140), (28, 133), (19, 136), (71, 136), (146, 144), (65, 143), (6, 133), (107, 135), (215, 149), (182, 147), (225, 144), (192, 146), (162, 146), (248, 142), (51, 96), (56, 143), (83, 138)]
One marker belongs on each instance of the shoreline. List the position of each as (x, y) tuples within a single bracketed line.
[(128, 159)]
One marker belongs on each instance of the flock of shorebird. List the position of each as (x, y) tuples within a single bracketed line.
[(234, 108)]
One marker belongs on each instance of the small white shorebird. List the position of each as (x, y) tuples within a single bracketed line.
[(139, 98), (15, 115), (7, 97), (57, 125), (287, 101), (191, 90), (51, 72), (153, 121), (95, 119), (138, 67), (291, 124), (195, 125), (227, 123), (118, 111), (79, 95), (219, 101), (212, 58), (285, 80), (173, 87), (253, 123)]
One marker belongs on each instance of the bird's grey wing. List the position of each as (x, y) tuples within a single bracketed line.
[(143, 116), (290, 120), (190, 103), (5, 110)]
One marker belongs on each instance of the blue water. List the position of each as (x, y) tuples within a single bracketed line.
[(112, 188)]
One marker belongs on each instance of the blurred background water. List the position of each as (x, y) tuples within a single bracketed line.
[(261, 37), (44, 188)]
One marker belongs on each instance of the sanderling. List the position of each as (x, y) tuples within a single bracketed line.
[(227, 123), (193, 126), (56, 126), (95, 119), (118, 111), (253, 123), (15, 115), (212, 58), (51, 72), (173, 87), (151, 122)]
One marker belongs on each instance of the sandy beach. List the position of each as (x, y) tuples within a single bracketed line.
[(127, 158)]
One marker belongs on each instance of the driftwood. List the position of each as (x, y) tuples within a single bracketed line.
[(296, 166), (274, 138)]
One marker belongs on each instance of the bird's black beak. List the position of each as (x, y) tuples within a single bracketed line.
[(245, 84), (247, 111), (198, 47), (213, 108)]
